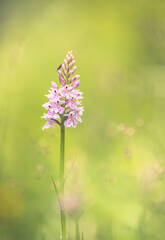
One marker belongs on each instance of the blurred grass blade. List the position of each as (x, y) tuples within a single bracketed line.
[(69, 171), (54, 184)]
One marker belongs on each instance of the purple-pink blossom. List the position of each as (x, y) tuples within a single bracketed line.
[(64, 102)]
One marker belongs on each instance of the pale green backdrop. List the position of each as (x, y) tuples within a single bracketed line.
[(117, 183)]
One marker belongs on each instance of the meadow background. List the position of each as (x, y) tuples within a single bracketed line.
[(117, 183)]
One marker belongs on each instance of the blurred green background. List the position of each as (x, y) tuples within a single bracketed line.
[(117, 183)]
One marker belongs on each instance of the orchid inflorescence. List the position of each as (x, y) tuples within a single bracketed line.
[(64, 106)]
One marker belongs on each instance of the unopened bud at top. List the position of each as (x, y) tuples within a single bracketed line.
[(68, 70), (69, 57)]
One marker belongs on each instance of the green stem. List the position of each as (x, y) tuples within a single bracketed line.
[(62, 162), (77, 229), (62, 147)]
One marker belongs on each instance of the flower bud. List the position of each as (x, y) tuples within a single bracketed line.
[(59, 73), (61, 78), (62, 81), (76, 84), (54, 85), (71, 72), (71, 64), (63, 68), (65, 62), (68, 58), (75, 78), (70, 54)]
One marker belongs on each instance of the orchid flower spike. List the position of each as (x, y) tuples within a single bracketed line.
[(64, 105)]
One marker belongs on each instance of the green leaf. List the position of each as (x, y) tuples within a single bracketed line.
[(69, 171), (54, 184)]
